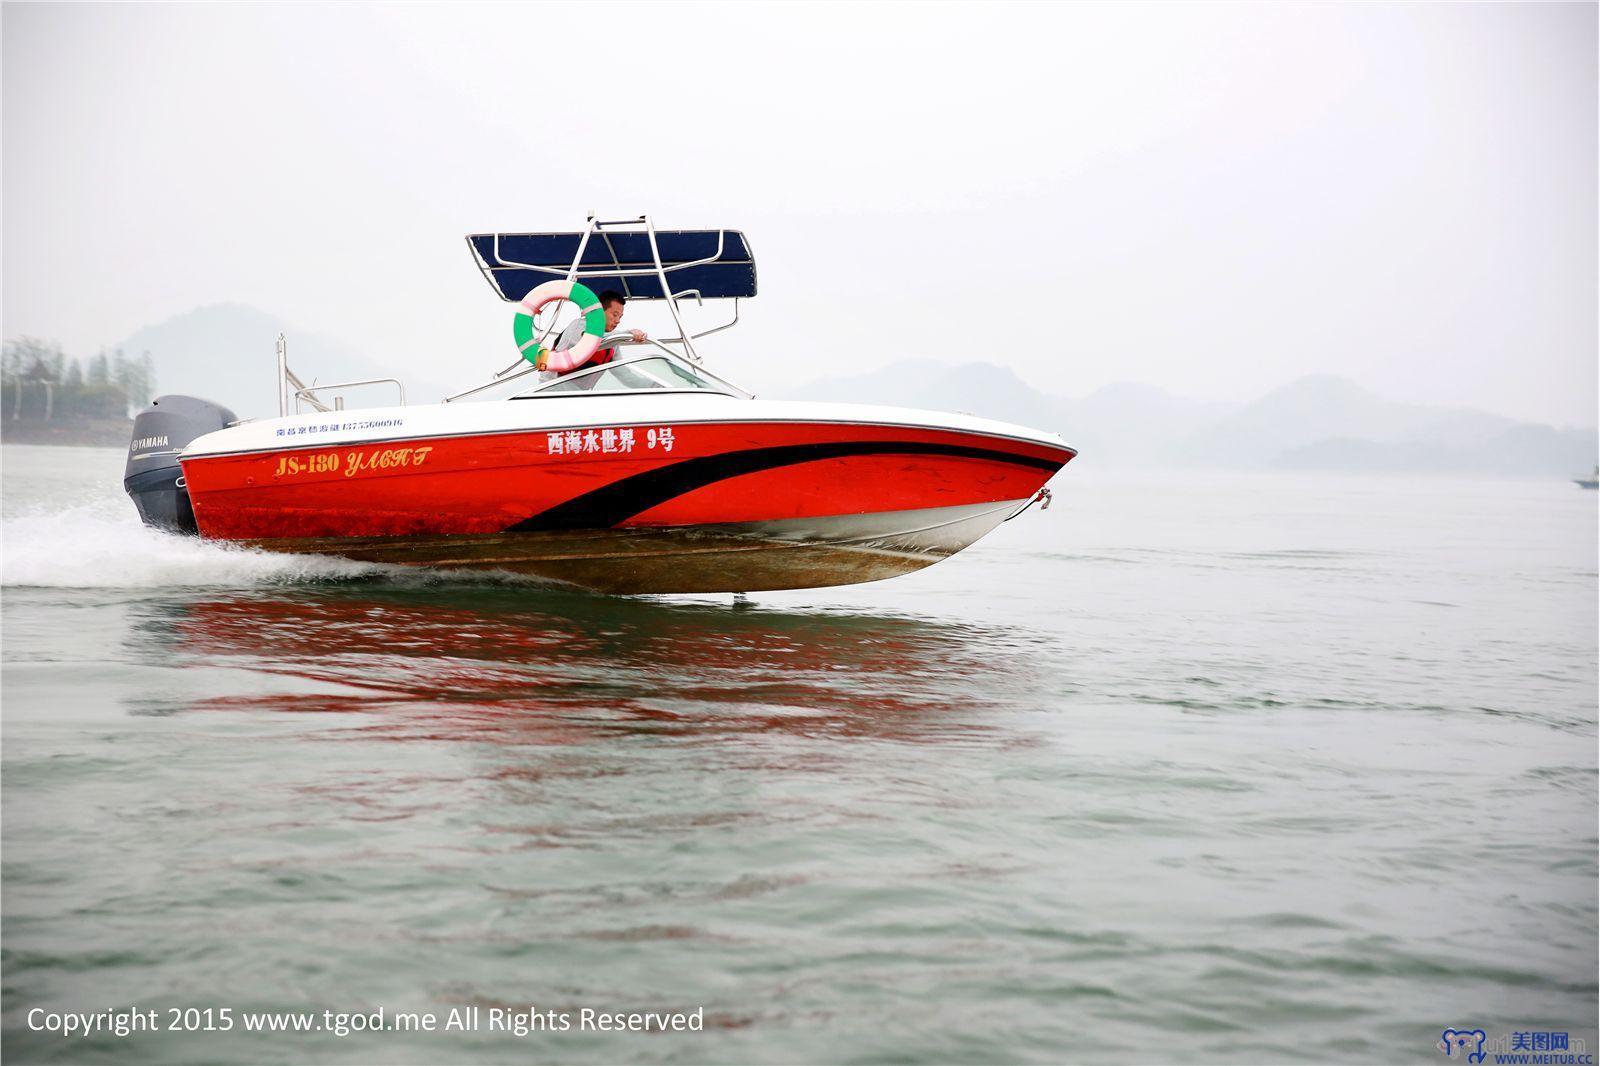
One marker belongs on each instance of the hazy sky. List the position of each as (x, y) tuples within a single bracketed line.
[(1214, 199)]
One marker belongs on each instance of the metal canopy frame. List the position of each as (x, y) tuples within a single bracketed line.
[(634, 250), (577, 270), (294, 393), (307, 394)]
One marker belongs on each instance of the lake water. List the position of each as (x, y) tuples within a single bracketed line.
[(1191, 767)]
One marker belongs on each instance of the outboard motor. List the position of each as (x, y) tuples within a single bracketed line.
[(153, 477)]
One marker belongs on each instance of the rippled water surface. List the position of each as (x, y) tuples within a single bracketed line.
[(1191, 767)]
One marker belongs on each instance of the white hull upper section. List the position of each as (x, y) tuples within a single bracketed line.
[(587, 411)]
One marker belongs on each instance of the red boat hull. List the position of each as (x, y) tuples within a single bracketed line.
[(544, 502)]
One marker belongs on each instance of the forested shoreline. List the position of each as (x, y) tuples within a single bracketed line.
[(50, 397)]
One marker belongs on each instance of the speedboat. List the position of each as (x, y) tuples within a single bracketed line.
[(647, 474), (1589, 481)]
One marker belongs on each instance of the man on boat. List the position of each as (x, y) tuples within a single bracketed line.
[(613, 302)]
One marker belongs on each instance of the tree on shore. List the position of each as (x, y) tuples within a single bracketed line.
[(39, 382), (136, 377)]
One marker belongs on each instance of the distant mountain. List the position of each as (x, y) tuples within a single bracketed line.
[(1520, 451), (1318, 422), (1329, 423), (1129, 424), (1322, 407), (226, 353)]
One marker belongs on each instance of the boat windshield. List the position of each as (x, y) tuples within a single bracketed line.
[(634, 375)]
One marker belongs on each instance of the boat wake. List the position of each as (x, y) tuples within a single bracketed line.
[(103, 545)]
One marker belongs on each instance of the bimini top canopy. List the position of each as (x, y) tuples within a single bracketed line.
[(714, 263)]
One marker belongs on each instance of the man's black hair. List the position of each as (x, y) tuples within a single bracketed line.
[(611, 296)]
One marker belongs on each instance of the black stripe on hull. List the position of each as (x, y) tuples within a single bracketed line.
[(610, 504)]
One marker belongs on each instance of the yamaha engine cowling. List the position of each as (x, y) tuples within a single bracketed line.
[(153, 477)]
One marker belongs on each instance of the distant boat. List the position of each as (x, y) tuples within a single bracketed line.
[(1590, 482)]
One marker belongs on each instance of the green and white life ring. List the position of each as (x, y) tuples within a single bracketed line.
[(561, 359)]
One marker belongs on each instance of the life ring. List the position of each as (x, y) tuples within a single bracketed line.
[(563, 359)]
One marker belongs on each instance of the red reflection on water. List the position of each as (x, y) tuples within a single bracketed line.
[(527, 666)]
